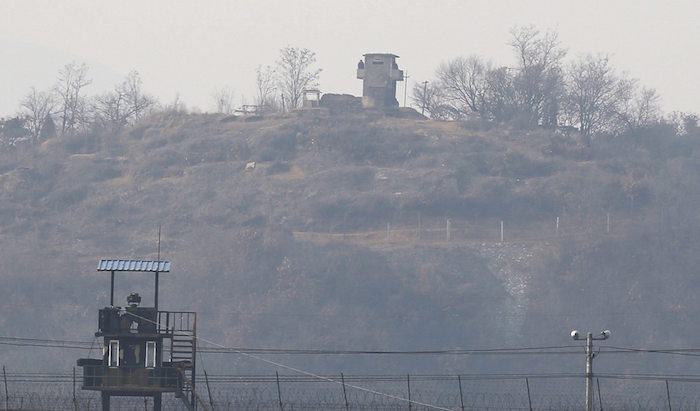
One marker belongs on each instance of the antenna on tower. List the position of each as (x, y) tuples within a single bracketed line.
[(157, 272), (405, 86), (158, 242)]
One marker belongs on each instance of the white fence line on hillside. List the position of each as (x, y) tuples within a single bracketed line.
[(461, 231)]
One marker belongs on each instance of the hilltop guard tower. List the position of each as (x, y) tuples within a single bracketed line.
[(146, 352), (379, 74)]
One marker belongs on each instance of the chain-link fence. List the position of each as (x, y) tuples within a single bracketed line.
[(373, 392)]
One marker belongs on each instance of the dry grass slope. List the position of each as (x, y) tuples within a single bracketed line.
[(338, 237)]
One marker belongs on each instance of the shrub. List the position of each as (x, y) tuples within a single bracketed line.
[(275, 147), (519, 166), (278, 168)]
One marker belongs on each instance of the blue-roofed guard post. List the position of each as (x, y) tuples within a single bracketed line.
[(146, 352)]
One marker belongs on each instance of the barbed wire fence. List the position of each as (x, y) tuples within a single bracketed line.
[(60, 391)]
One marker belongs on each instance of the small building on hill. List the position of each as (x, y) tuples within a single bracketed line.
[(311, 98), (379, 74)]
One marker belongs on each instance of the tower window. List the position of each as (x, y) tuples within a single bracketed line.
[(113, 359), (150, 354)]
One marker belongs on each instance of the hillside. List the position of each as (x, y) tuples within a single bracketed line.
[(359, 231)]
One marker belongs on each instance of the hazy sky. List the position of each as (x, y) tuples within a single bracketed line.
[(192, 48)]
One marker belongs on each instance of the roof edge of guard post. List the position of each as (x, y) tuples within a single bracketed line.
[(160, 266)]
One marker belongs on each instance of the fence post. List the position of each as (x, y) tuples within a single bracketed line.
[(600, 398), (7, 396), (668, 396), (607, 224), (461, 394), (408, 382), (529, 398), (75, 402), (211, 400), (419, 227), (345, 394), (501, 230), (447, 230), (279, 392), (557, 230)]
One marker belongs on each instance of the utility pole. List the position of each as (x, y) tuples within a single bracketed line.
[(589, 371), (405, 86), (604, 335)]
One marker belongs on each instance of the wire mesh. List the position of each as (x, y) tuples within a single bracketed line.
[(371, 392)]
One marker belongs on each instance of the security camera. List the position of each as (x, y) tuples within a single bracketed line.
[(574, 334), (606, 333)]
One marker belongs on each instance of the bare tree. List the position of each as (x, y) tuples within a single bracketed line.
[(463, 84), (12, 131), (123, 106), (539, 82), (223, 98), (431, 100), (642, 110), (500, 95), (72, 79), (265, 87), (596, 95), (36, 109), (176, 106), (138, 103), (684, 123), (295, 73)]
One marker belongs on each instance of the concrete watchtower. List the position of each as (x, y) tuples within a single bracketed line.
[(379, 74)]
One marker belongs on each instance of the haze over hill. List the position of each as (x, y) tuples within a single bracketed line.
[(360, 230), (192, 49)]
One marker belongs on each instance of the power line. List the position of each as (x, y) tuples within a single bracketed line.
[(692, 352), (491, 351), (334, 380), (48, 343), (219, 349), (388, 377), (246, 378), (56, 343), (38, 340)]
